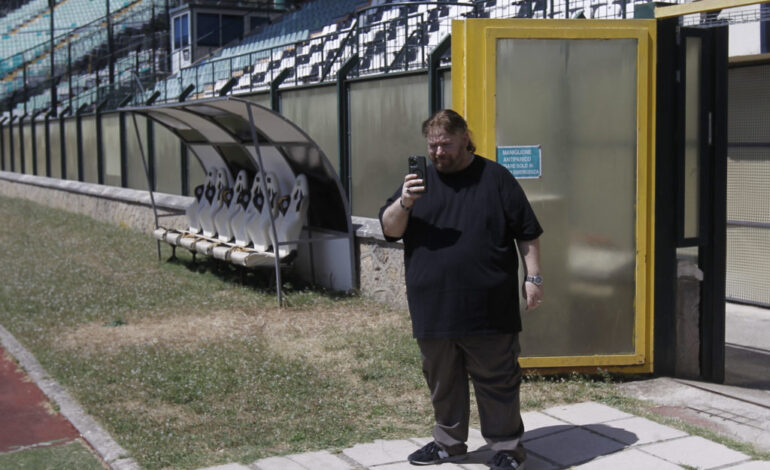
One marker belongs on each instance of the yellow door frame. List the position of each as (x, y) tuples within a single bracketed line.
[(473, 95)]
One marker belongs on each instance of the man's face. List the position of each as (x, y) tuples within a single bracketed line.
[(448, 152)]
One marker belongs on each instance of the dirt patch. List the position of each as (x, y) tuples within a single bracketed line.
[(287, 331), (171, 331), (162, 412)]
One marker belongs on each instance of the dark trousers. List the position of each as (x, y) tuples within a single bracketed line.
[(492, 362)]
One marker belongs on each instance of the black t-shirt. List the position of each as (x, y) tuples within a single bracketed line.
[(460, 252)]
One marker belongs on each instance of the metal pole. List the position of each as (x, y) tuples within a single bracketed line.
[(147, 174), (53, 68), (278, 287), (110, 46), (434, 84), (343, 122)]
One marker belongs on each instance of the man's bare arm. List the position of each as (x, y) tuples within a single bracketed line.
[(396, 216), (530, 254)]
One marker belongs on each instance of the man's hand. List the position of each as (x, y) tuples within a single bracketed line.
[(533, 294), (412, 190)]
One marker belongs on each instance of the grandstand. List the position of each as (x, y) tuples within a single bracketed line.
[(110, 52)]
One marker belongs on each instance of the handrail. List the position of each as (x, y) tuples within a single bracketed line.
[(72, 32), (341, 48)]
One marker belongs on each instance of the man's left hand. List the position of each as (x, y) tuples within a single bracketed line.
[(533, 294)]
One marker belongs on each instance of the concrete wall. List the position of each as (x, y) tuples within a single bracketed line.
[(380, 264)]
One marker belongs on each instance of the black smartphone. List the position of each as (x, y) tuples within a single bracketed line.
[(417, 166)]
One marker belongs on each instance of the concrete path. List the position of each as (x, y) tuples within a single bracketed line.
[(587, 436)]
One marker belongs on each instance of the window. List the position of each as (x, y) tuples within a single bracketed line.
[(177, 32), (208, 30), (181, 31), (185, 30), (232, 28)]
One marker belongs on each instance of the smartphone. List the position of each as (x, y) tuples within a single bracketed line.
[(417, 166)]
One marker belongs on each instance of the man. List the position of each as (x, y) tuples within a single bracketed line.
[(462, 286)]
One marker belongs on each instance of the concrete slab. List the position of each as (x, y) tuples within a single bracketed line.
[(573, 447), (747, 326), (586, 413), (630, 459), (695, 451), (381, 452), (229, 466), (320, 460), (277, 463), (408, 466), (475, 440), (637, 431), (708, 406), (538, 424), (533, 463), (752, 466)]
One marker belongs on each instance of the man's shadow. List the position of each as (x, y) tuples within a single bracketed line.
[(566, 445)]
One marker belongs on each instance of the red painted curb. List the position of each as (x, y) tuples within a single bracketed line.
[(27, 418)]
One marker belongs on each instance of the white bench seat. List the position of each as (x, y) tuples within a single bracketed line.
[(229, 252)]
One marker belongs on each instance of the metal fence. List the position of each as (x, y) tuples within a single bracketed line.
[(748, 185)]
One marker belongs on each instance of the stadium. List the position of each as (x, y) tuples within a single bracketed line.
[(320, 102), (241, 302)]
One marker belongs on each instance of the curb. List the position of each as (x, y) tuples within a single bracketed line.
[(110, 451)]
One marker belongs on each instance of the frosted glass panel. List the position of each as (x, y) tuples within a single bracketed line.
[(111, 148), (90, 163), (16, 149), (315, 111), (70, 138), (55, 133), (577, 99), (28, 165), (136, 177), (380, 146), (40, 146), (692, 137), (168, 161), (6, 148)]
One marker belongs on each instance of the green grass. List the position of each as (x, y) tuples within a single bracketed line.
[(186, 367), (72, 456)]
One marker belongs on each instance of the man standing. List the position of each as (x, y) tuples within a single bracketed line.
[(461, 267)]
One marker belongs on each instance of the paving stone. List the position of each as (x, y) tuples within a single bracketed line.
[(320, 460), (229, 466), (586, 413), (475, 439), (534, 462), (408, 466), (573, 446), (695, 451), (636, 431), (630, 459), (421, 441), (752, 466), (277, 463), (537, 425), (381, 452)]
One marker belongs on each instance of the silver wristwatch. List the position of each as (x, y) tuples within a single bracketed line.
[(536, 280)]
